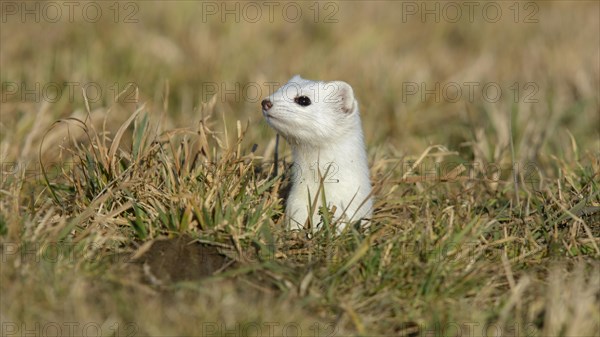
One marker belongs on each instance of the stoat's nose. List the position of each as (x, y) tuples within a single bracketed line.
[(266, 104)]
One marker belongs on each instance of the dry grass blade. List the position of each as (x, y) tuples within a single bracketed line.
[(117, 140), (82, 125)]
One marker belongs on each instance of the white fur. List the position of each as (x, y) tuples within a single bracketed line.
[(327, 131)]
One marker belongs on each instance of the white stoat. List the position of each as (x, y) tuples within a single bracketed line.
[(321, 122)]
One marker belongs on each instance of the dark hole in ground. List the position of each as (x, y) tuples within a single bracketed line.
[(181, 259)]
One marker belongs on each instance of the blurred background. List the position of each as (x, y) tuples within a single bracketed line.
[(494, 82), (450, 73)]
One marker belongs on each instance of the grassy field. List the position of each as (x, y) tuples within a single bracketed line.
[(130, 129)]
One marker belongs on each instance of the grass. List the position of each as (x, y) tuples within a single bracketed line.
[(487, 216)]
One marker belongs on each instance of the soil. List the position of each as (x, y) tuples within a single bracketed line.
[(181, 259)]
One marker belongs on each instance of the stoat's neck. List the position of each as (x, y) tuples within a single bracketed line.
[(347, 154)]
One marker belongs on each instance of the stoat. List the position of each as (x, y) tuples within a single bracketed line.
[(321, 122)]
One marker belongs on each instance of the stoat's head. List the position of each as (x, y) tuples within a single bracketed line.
[(312, 112)]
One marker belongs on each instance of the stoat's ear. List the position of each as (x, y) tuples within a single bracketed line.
[(344, 95), (296, 79)]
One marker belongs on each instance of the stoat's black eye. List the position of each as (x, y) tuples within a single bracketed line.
[(302, 100)]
